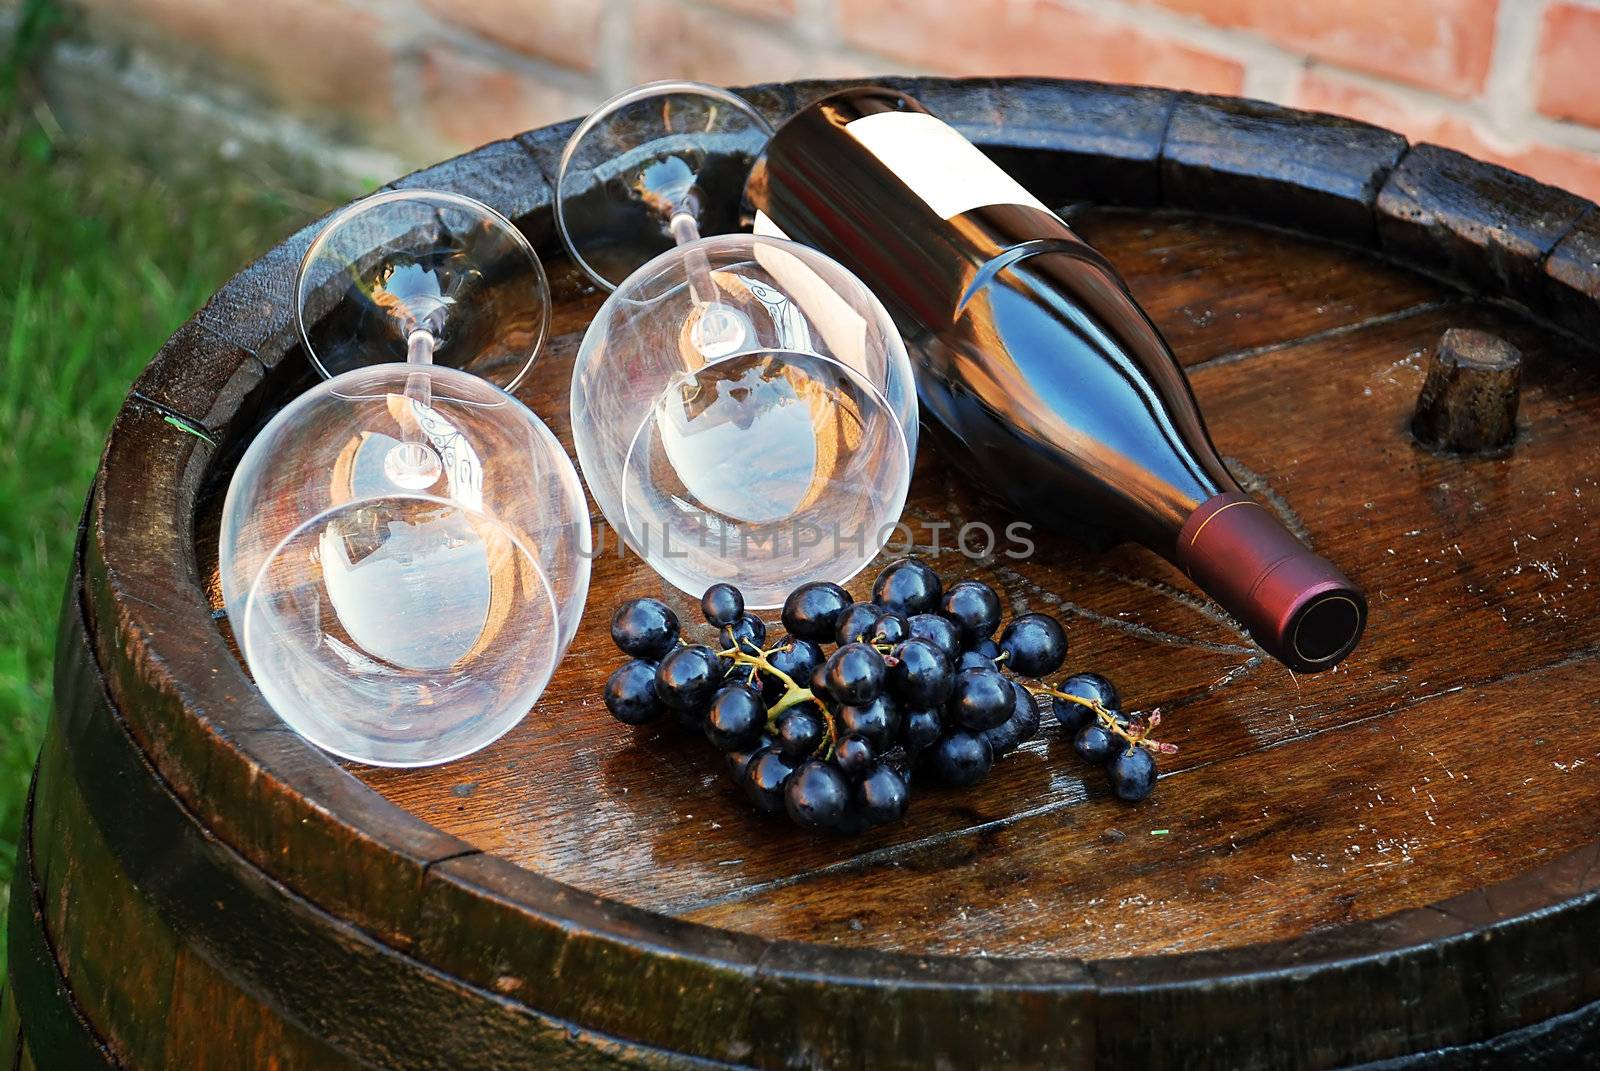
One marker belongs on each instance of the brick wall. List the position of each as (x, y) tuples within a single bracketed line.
[(1516, 81)]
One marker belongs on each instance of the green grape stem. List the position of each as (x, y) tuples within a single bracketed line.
[(793, 693)]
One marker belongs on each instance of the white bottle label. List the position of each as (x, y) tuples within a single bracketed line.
[(939, 165), (764, 226)]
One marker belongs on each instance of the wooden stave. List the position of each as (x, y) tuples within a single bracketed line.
[(1216, 135)]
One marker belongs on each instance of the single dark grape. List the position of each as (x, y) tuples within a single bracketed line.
[(881, 796), (939, 631), (907, 586), (737, 718), (855, 624), (855, 674), (1093, 686), (1133, 774), (746, 634), (903, 764), (877, 721), (920, 676), (1074, 716), (1070, 716), (800, 732), (854, 756), (975, 609), (764, 779), (722, 604), (1002, 739), (981, 699), (961, 758), (1021, 726), (819, 682), (920, 729), (853, 823), (736, 762), (817, 796), (687, 678), (644, 628), (1034, 644), (799, 659), (1096, 743), (890, 628), (631, 693), (974, 660), (1025, 711), (985, 647), (811, 612)]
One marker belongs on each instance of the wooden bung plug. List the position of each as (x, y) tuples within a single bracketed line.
[(1468, 402)]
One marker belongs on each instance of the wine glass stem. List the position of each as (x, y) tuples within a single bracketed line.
[(684, 228), (420, 347), (413, 458), (686, 232), (419, 354)]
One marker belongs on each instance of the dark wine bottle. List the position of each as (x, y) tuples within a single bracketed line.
[(1055, 389)]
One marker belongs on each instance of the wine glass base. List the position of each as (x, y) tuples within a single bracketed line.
[(655, 166), (426, 276)]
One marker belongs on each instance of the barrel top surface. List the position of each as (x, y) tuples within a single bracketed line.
[(1440, 781), (1293, 803)]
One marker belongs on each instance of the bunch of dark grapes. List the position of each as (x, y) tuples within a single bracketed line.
[(914, 685)]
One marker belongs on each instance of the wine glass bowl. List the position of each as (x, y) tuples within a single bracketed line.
[(393, 623), (649, 161), (744, 410), (397, 264), (404, 548)]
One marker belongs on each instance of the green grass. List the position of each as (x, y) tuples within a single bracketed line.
[(103, 260)]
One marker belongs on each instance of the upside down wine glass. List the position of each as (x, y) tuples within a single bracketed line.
[(403, 547), (743, 407)]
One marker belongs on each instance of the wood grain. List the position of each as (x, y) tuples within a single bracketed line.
[(1202, 280), (1216, 152), (1474, 221), (1573, 272), (1353, 822)]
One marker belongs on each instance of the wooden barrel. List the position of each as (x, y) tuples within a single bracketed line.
[(1395, 863)]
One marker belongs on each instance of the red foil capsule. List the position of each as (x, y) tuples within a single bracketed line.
[(1296, 605)]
